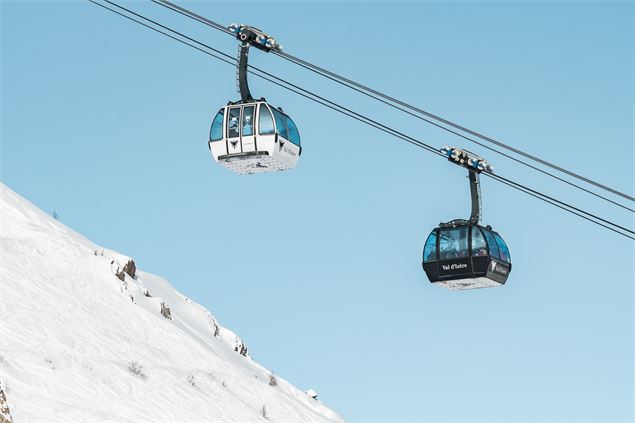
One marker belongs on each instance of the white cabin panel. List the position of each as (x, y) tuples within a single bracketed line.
[(266, 143), (286, 152), (218, 148)]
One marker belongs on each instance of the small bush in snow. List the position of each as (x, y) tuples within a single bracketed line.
[(190, 380), (272, 380), (137, 370), (146, 293)]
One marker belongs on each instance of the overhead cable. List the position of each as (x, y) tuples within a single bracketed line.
[(226, 58), (409, 109)]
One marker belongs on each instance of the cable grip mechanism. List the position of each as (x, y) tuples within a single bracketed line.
[(249, 37)]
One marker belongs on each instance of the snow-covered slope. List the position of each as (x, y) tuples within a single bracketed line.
[(77, 344)]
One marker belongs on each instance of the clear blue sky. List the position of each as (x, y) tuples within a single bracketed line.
[(318, 269)]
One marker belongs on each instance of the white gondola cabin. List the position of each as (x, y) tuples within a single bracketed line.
[(254, 137)]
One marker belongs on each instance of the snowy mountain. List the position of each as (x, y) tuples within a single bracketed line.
[(86, 337)]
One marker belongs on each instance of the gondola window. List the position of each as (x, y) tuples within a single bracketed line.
[(234, 117), (217, 127), (453, 243), (265, 124), (248, 120), (430, 250), (479, 247)]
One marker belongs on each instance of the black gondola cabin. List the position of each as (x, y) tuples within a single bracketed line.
[(466, 256), (461, 254)]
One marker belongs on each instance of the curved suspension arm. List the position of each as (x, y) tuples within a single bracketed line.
[(475, 194), (243, 86)]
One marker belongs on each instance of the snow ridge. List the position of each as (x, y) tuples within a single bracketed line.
[(79, 343)]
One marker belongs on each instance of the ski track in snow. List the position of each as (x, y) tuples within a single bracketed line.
[(69, 331)]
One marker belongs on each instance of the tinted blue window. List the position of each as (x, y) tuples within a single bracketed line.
[(479, 247), (294, 135), (503, 248), (216, 133), (491, 242), (430, 250), (281, 125), (265, 121), (248, 121), (453, 243)]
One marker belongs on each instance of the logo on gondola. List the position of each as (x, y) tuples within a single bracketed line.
[(454, 266), (233, 143), (289, 151), (496, 268), (492, 266)]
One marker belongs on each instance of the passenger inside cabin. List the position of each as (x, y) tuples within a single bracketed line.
[(233, 127), (247, 125), (457, 251), (234, 117)]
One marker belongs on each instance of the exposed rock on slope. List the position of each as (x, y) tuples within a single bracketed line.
[(130, 268), (5, 415), (165, 311), (84, 339)]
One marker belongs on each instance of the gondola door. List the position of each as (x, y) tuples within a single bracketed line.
[(233, 131), (247, 131)]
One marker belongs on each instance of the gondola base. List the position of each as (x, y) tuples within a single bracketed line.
[(471, 283), (250, 163)]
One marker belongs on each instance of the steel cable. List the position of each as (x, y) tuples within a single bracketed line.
[(226, 58), (402, 106)]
